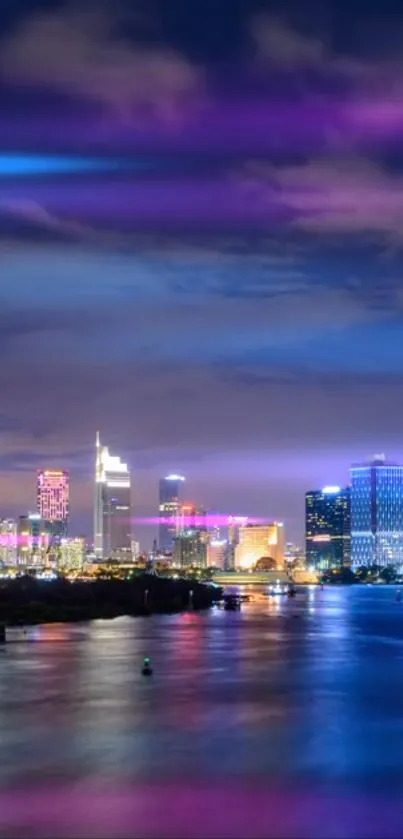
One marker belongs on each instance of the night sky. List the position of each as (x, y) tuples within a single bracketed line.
[(201, 241)]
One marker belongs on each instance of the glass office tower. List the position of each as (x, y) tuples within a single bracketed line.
[(327, 527), (169, 510), (377, 513)]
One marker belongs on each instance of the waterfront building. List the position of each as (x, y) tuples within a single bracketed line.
[(234, 523), (33, 540), (260, 541), (72, 554), (112, 505), (190, 549), (217, 553), (52, 500), (327, 528), (170, 494), (377, 513), (8, 542)]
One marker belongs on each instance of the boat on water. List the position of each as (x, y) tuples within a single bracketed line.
[(282, 588), (232, 602)]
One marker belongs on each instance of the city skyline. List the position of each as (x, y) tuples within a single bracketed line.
[(201, 301), (208, 266), (145, 525)]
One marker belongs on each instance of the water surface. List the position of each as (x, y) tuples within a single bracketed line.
[(285, 719)]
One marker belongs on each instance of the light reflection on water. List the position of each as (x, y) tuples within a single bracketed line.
[(275, 697)]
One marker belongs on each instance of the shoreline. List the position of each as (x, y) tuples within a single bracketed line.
[(35, 619), (28, 601)]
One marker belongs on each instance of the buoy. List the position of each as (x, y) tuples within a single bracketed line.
[(147, 669), (398, 594)]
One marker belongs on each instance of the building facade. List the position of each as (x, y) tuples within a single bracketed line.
[(8, 542), (72, 554), (170, 499), (377, 513), (259, 541), (234, 524), (327, 528), (112, 505), (33, 540), (52, 500), (190, 549), (216, 553)]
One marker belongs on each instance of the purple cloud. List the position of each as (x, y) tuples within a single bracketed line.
[(77, 53)]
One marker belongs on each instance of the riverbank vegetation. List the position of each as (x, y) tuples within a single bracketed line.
[(27, 600), (364, 574)]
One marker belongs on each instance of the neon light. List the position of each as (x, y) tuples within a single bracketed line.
[(330, 490), (174, 478)]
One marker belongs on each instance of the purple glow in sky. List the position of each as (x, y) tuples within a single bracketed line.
[(201, 249)]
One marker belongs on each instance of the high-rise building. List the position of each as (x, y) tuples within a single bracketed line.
[(327, 527), (186, 517), (8, 542), (377, 513), (170, 491), (112, 505), (52, 499), (190, 549), (234, 524), (260, 541), (213, 519), (217, 553), (32, 540)]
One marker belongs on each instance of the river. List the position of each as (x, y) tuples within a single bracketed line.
[(285, 719)]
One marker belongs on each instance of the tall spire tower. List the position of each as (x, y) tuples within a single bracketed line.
[(112, 504), (98, 524)]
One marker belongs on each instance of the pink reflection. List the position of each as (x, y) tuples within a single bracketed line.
[(182, 809)]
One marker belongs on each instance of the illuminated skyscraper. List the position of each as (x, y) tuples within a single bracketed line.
[(377, 513), (327, 527), (52, 500), (169, 510), (112, 504)]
